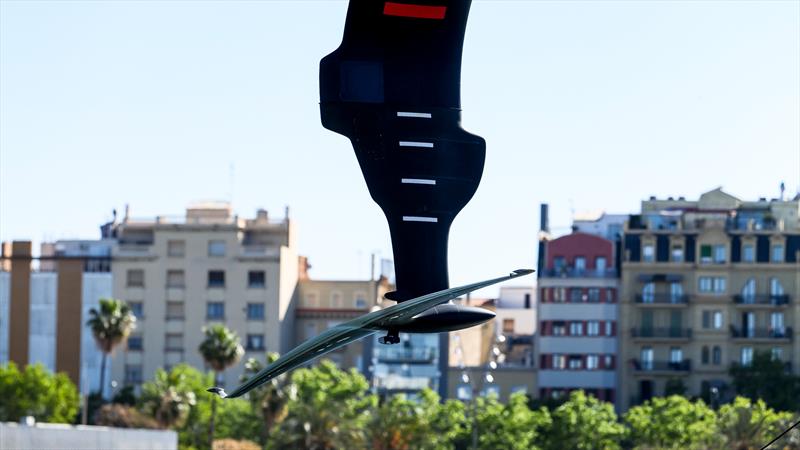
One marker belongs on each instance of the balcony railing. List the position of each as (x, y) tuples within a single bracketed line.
[(405, 355), (663, 299), (570, 272), (761, 299), (663, 366), (656, 333), (761, 333)]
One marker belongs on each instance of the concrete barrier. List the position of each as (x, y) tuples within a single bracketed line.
[(63, 437)]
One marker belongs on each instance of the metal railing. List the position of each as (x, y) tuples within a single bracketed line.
[(571, 272), (651, 366), (670, 333), (405, 355), (761, 299), (761, 333), (669, 299)]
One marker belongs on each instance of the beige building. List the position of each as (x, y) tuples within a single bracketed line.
[(209, 266), (322, 304), (706, 284)]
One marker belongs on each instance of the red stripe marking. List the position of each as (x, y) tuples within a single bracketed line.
[(415, 11)]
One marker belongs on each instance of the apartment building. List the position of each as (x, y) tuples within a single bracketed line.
[(323, 304), (578, 283), (44, 306), (208, 266), (705, 284)]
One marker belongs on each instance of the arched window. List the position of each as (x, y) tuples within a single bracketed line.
[(716, 355), (749, 291), (648, 293), (775, 287), (704, 355)]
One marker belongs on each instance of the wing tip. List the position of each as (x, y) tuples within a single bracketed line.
[(219, 391), (522, 272)]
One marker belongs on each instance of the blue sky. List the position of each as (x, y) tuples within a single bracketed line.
[(585, 105)]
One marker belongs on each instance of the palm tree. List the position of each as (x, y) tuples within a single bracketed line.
[(167, 398), (269, 399), (111, 325), (220, 349)]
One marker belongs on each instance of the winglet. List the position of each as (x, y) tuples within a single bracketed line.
[(217, 390), (521, 272)]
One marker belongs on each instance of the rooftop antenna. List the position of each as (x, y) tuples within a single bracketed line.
[(783, 189)]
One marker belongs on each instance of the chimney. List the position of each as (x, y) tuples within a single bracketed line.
[(544, 219), (262, 215), (302, 267)]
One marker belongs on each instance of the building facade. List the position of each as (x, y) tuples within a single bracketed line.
[(45, 303), (577, 341), (180, 274), (706, 284)]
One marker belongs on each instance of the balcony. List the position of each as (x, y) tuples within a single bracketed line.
[(661, 333), (405, 355), (662, 366), (762, 333), (571, 272), (662, 300), (761, 300), (254, 251)]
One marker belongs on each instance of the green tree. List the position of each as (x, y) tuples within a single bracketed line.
[(583, 422), (111, 325), (749, 425), (328, 409), (220, 349), (36, 392), (167, 399), (672, 422), (268, 400), (766, 378), (511, 426)]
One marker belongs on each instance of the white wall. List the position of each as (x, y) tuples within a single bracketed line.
[(58, 436), (42, 338)]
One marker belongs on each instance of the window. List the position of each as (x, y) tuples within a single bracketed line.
[(175, 279), (336, 299), (647, 358), (361, 300), (746, 357), (712, 319), (716, 355), (135, 278), (594, 295), (559, 295), (216, 248), (675, 292), (648, 253), (311, 300), (705, 355), (215, 310), (775, 287), (559, 361), (580, 264), (675, 355), (777, 353), (720, 254), (175, 311), (609, 328), (527, 301), (173, 342), (255, 342), (135, 342), (592, 362), (137, 309), (575, 295), (176, 249), (711, 285), (748, 253), (593, 328), (749, 291), (648, 293), (600, 264), (559, 263), (216, 278), (575, 362), (776, 324), (508, 325), (576, 329), (610, 295), (133, 373), (608, 361), (705, 254), (256, 279), (777, 253), (255, 311), (677, 254), (559, 329)]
